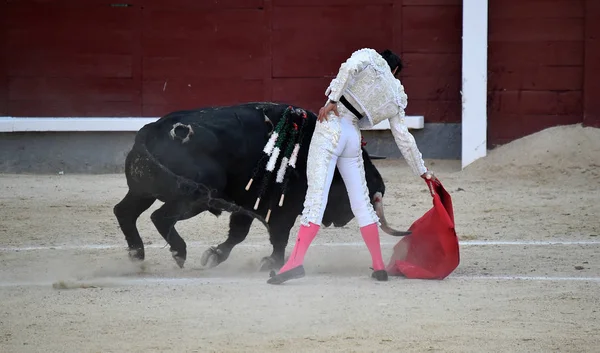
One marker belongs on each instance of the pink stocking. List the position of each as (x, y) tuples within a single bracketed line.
[(305, 238), (370, 235)]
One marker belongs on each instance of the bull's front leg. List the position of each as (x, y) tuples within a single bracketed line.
[(239, 226), (279, 234)]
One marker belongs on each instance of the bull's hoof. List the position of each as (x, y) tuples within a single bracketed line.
[(268, 263), (179, 260), (212, 257), (136, 254), (179, 257)]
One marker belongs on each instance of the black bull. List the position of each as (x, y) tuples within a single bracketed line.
[(207, 166)]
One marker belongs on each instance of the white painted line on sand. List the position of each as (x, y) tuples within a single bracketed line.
[(527, 242), (529, 278), (348, 244), (122, 281)]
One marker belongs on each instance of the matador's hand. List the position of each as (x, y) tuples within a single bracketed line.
[(323, 112), (428, 175)]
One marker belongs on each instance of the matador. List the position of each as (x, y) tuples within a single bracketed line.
[(364, 93)]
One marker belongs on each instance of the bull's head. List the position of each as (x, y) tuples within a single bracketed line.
[(339, 212)]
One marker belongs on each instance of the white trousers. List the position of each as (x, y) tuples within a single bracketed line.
[(337, 142)]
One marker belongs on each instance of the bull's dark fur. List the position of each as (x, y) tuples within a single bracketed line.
[(209, 173)]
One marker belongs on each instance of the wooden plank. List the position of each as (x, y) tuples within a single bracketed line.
[(308, 93), (3, 61), (432, 2), (509, 54), (592, 10), (503, 128), (540, 78), (435, 111), (137, 57), (31, 30), (196, 44), (535, 66), (592, 65), (78, 65), (90, 18), (432, 29), (75, 3), (210, 66), (3, 95), (267, 53), (202, 5), (536, 9), (329, 3), (67, 107), (536, 102), (160, 97), (569, 103), (96, 41), (536, 29), (431, 64), (52, 89), (298, 53), (35, 64), (433, 87), (397, 27), (185, 22)]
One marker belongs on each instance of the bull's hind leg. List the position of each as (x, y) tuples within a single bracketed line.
[(164, 220), (127, 212), (239, 226)]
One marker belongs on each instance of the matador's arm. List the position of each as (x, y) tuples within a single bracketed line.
[(405, 140)]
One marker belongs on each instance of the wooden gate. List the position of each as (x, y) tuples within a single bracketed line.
[(149, 57), (544, 66)]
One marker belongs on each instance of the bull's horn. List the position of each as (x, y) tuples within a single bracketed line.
[(268, 121), (378, 201)]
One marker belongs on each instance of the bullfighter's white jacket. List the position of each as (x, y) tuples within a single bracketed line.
[(367, 82)]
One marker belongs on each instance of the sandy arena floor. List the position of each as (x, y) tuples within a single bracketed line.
[(528, 216)]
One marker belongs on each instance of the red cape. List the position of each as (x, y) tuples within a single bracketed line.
[(431, 251)]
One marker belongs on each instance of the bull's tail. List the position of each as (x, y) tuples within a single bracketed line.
[(190, 186)]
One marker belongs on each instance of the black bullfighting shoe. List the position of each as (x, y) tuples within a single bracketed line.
[(380, 275), (296, 272)]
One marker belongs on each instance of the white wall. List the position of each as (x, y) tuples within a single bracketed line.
[(474, 80)]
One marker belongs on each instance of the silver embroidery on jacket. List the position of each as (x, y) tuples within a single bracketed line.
[(322, 147), (368, 84), (325, 141)]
